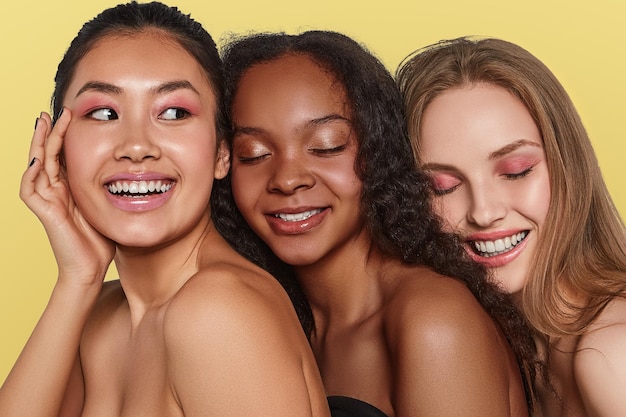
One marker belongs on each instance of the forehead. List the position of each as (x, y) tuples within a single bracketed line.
[(296, 78), (474, 122), (150, 55)]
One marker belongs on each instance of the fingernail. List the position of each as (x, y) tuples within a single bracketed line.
[(32, 162), (36, 121), (61, 112)]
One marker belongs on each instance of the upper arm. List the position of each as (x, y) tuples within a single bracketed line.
[(236, 351), (600, 371), (451, 361)]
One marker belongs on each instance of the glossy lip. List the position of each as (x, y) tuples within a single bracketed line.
[(282, 227), (138, 204), (497, 260)]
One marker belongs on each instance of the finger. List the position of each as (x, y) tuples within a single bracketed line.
[(27, 185), (54, 144), (38, 140), (48, 120)]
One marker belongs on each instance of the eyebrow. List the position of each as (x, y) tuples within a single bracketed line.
[(505, 150), (328, 119), (249, 130), (512, 147), (112, 89)]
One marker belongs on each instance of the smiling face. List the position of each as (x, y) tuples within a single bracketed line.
[(487, 164), (141, 148), (294, 149)]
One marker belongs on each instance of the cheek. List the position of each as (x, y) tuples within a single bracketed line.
[(79, 155), (539, 198), (341, 176), (243, 186)]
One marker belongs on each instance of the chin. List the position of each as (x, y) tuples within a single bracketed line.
[(511, 283)]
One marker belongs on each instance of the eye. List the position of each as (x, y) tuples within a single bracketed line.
[(443, 184), (252, 159), (174, 113), (249, 149), (103, 114), (329, 151), (520, 174)]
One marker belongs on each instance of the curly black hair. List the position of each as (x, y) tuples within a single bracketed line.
[(395, 197)]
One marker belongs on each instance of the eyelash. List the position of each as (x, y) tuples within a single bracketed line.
[(329, 151), (514, 176), (438, 192), (178, 110), (518, 175), (112, 114), (251, 159)]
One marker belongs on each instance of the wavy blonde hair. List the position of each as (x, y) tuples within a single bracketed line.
[(580, 262)]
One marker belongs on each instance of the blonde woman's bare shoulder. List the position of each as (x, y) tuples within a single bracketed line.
[(600, 362)]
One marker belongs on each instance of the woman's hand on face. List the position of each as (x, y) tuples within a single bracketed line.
[(82, 254)]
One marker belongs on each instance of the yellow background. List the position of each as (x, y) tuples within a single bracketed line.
[(584, 43)]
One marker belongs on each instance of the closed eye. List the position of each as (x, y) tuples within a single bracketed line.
[(251, 159), (329, 151), (517, 175), (443, 183)]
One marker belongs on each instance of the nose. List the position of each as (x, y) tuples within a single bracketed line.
[(290, 174), (487, 207), (137, 142)]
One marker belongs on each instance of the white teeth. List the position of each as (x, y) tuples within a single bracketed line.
[(489, 248), (298, 216), (138, 187)]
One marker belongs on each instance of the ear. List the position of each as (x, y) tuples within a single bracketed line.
[(222, 163)]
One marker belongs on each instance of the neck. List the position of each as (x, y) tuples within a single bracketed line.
[(151, 276), (343, 288)]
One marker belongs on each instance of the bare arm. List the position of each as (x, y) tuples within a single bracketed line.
[(236, 351), (449, 359), (46, 379)]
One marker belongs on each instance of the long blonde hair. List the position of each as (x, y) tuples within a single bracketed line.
[(581, 255)]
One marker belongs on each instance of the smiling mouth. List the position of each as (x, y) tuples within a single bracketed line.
[(489, 248), (139, 188), (297, 217)]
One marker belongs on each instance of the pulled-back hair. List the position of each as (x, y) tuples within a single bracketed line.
[(395, 199), (580, 260), (134, 18)]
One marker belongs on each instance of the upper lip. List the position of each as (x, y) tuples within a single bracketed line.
[(494, 235)]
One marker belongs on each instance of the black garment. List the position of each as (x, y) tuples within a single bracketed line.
[(351, 407)]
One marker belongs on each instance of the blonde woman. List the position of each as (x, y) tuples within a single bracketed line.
[(514, 173)]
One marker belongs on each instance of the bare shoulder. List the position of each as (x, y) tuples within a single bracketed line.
[(429, 303), (232, 330), (444, 344), (227, 294), (600, 361), (606, 336)]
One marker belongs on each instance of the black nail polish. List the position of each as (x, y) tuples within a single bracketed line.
[(36, 121), (32, 162)]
